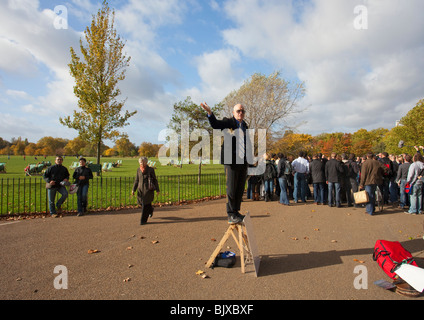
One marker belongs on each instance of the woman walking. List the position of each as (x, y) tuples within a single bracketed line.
[(145, 184)]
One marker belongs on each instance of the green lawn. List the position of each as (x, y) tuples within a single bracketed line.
[(24, 194), (16, 164)]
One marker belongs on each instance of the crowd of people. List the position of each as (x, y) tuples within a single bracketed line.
[(333, 180)]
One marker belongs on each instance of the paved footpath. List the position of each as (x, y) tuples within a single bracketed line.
[(307, 252)]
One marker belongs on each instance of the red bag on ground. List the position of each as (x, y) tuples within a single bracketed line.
[(390, 255)]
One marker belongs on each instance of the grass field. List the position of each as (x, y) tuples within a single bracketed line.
[(16, 164), (24, 194)]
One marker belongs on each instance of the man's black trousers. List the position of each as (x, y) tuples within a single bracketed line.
[(236, 180)]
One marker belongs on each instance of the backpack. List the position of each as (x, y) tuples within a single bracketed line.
[(390, 256), (386, 173), (288, 168), (225, 259)]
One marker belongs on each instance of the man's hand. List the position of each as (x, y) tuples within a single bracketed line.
[(205, 106)]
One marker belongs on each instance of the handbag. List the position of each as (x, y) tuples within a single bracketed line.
[(150, 185), (361, 197)]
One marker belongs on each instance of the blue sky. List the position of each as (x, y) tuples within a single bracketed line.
[(205, 49)]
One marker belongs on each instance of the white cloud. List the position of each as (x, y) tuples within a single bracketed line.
[(349, 74), (354, 78), (218, 74)]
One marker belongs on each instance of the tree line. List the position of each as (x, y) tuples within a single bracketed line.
[(50, 146), (410, 130)]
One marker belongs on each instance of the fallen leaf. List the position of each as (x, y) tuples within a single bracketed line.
[(333, 241), (129, 248), (294, 238), (204, 276), (155, 241), (360, 261), (130, 265), (91, 251), (316, 229), (213, 239), (127, 280), (306, 238), (18, 279), (199, 272)]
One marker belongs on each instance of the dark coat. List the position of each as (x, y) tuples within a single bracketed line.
[(232, 124), (56, 173), (144, 195), (82, 171), (317, 170), (334, 171)]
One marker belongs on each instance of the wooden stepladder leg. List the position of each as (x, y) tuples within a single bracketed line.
[(240, 241), (241, 248)]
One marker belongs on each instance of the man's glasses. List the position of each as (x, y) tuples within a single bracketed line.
[(241, 111)]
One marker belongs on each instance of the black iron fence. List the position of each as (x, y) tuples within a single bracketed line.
[(29, 195)]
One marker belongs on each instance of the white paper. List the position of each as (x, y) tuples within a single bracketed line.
[(413, 275)]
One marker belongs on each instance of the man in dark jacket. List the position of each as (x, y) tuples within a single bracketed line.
[(56, 177), (371, 176), (236, 166), (333, 174), (82, 175), (387, 176), (317, 170)]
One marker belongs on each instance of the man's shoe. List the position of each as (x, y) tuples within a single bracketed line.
[(234, 220), (241, 216)]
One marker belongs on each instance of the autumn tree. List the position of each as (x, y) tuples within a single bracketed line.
[(148, 149), (269, 100), (125, 147), (292, 143), (96, 77), (75, 146), (410, 130)]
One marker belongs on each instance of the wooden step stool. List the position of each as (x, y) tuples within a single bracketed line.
[(242, 234)]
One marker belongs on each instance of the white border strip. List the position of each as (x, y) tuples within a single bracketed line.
[(4, 224)]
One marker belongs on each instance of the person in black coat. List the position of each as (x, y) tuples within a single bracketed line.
[(82, 176), (317, 171), (236, 165), (333, 175), (145, 194), (56, 177)]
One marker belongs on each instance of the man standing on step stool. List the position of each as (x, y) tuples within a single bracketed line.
[(236, 167)]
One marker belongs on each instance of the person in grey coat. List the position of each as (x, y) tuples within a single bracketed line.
[(145, 196), (416, 183)]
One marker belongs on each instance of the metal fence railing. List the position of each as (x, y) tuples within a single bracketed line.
[(29, 195)]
